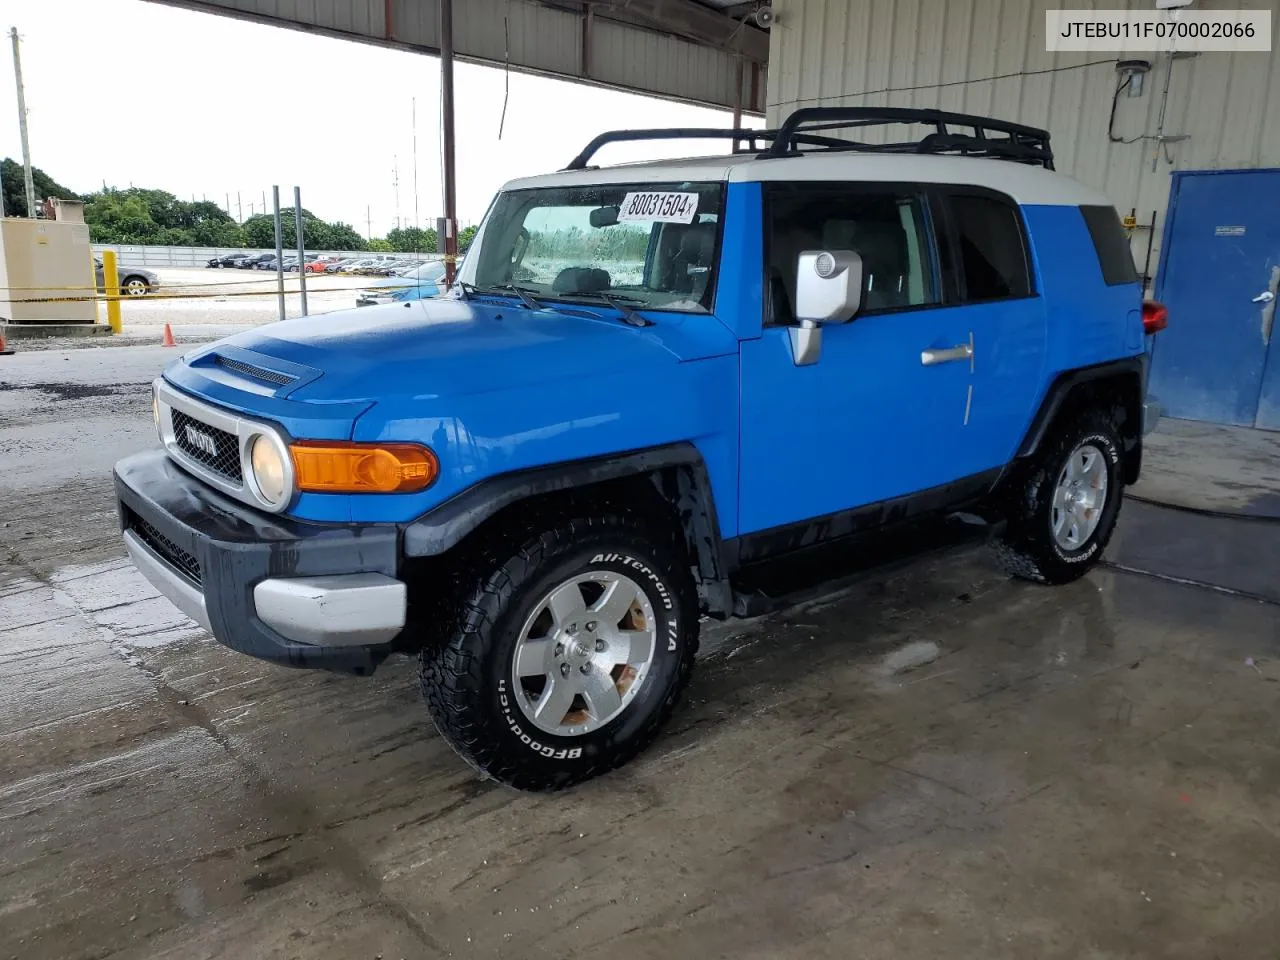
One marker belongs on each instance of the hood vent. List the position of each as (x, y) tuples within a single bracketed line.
[(255, 372)]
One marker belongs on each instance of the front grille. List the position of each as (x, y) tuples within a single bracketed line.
[(216, 449), (185, 563), (257, 373)]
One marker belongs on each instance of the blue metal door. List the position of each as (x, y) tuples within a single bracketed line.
[(1220, 265)]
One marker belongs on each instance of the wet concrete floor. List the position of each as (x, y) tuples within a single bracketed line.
[(936, 761)]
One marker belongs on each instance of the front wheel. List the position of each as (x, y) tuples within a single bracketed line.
[(135, 286), (1064, 503), (567, 653)]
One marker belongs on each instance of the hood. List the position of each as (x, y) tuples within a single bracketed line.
[(439, 348)]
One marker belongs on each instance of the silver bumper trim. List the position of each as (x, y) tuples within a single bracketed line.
[(1150, 414), (350, 609), (180, 591)]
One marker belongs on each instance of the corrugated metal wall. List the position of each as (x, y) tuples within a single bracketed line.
[(927, 53), (525, 34)]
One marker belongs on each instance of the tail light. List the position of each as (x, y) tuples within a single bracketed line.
[(1155, 316)]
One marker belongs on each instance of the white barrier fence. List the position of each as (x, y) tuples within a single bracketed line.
[(138, 255)]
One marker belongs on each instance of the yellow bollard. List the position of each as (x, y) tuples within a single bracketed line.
[(111, 281)]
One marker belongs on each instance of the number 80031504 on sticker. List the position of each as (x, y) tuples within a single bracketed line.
[(659, 206)]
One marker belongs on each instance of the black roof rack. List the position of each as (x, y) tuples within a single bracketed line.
[(666, 133), (985, 137)]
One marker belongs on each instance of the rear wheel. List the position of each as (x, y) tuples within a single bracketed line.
[(567, 652), (1064, 503), (135, 286)]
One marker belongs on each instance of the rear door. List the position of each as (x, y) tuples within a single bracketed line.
[(987, 268)]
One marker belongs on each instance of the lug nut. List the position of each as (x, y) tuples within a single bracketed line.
[(571, 629), (585, 668), (591, 626), (599, 646), (564, 669)]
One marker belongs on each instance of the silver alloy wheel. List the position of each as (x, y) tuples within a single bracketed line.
[(584, 653), (135, 287), (1079, 498)]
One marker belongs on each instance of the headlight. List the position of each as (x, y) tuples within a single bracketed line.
[(266, 463)]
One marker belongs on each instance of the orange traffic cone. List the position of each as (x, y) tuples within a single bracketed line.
[(4, 347), (168, 340)]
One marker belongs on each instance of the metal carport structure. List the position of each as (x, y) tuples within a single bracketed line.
[(708, 53)]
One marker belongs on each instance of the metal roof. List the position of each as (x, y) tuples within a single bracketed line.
[(682, 49)]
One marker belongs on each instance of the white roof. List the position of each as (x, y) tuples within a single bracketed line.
[(1025, 183)]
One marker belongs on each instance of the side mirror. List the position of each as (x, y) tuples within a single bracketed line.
[(828, 290)]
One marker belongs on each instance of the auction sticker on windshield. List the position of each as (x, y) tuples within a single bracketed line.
[(663, 207)]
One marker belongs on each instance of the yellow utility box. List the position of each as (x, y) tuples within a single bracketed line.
[(46, 269)]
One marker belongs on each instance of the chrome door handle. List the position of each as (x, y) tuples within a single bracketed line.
[(1266, 296), (961, 351)]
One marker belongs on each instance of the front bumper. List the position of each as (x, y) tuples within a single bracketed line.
[(299, 594)]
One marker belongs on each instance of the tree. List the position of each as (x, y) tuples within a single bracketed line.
[(342, 236), (412, 240), (14, 188), (465, 236), (378, 245)]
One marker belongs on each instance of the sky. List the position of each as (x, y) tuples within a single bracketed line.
[(130, 92)]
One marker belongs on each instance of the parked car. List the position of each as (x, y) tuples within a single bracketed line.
[(340, 266), (319, 264), (230, 260), (134, 281), (539, 488), (415, 284), (252, 262)]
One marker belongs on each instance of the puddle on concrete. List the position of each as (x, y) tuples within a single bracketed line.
[(118, 598)]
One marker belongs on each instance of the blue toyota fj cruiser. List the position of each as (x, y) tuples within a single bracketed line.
[(648, 380)]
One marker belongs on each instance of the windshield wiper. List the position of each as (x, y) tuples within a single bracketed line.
[(622, 303), (522, 293), (470, 290)]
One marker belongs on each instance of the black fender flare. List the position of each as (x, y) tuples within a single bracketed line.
[(1066, 381), (445, 526)]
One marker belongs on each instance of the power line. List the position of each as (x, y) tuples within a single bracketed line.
[(948, 83)]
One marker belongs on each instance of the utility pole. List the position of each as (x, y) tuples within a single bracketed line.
[(416, 222), (368, 222), (27, 181), (302, 250), (240, 208), (275, 194), (446, 122), (395, 185)]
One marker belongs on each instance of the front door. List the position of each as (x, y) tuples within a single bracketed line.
[(1218, 361), (868, 421)]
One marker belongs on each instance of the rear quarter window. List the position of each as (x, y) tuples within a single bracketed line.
[(992, 256), (1110, 244)]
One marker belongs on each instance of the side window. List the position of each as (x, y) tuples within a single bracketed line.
[(886, 228), (1110, 244), (993, 258)]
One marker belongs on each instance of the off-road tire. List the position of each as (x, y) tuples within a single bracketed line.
[(465, 679), (1028, 549)]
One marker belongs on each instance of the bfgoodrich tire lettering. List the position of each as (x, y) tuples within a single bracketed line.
[(468, 679), (1029, 549)]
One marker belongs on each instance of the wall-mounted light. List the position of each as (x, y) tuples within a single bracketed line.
[(1132, 75)]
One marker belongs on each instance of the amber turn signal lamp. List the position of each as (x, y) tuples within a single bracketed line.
[(333, 467)]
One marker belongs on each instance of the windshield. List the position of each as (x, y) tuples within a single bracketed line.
[(653, 244)]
